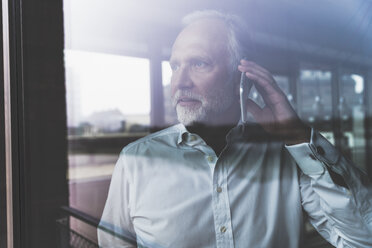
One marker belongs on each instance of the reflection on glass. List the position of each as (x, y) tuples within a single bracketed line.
[(169, 111), (106, 93), (315, 101), (352, 114), (108, 105), (283, 83)]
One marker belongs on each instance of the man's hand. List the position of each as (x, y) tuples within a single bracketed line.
[(277, 117)]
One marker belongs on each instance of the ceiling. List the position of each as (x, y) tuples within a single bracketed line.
[(338, 28)]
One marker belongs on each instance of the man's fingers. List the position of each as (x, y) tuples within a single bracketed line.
[(264, 82), (253, 108), (258, 113), (272, 95), (257, 72), (251, 64), (267, 81), (269, 93)]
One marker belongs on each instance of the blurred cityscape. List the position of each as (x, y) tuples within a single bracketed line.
[(113, 121), (314, 105), (110, 122)]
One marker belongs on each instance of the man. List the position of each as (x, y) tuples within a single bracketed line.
[(212, 181)]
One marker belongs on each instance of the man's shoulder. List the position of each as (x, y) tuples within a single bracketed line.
[(168, 135)]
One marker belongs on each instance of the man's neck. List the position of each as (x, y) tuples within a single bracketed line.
[(215, 130), (214, 136)]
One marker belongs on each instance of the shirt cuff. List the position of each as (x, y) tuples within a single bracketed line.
[(314, 157)]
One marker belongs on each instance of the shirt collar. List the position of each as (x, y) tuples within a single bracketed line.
[(186, 136), (182, 131), (243, 132)]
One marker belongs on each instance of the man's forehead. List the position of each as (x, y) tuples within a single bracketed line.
[(202, 34), (211, 25)]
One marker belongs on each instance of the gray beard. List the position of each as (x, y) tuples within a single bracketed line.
[(215, 103)]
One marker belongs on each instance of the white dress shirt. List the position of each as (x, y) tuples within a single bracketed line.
[(169, 189)]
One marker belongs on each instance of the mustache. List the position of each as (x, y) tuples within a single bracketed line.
[(186, 93)]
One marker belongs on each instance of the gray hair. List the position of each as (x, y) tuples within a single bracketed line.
[(238, 36)]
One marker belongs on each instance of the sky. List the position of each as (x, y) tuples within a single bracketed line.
[(99, 82)]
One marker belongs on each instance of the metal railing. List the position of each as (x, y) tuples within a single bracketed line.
[(70, 238)]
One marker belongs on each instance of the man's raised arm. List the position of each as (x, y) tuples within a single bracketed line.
[(341, 215)]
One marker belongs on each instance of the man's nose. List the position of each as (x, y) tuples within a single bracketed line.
[(182, 78)]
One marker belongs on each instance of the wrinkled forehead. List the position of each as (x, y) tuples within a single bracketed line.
[(208, 35)]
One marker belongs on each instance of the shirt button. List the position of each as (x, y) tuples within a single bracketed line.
[(312, 156), (219, 189), (223, 229), (210, 158)]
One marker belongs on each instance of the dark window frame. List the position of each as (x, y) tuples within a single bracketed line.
[(3, 192), (39, 152)]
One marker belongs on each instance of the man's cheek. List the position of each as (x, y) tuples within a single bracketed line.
[(200, 78), (173, 90)]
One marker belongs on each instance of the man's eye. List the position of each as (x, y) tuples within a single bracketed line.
[(200, 64), (174, 67)]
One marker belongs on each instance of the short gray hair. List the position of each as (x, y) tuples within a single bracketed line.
[(239, 43)]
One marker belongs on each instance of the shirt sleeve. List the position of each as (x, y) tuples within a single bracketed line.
[(341, 215), (115, 228)]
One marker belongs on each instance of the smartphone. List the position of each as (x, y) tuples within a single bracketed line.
[(245, 87)]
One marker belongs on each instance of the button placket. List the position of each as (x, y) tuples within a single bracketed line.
[(221, 208), (211, 160)]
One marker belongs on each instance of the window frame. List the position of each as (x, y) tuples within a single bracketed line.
[(36, 77)]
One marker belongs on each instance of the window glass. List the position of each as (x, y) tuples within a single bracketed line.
[(169, 110), (315, 97), (184, 188), (108, 105), (170, 113), (114, 96), (106, 94), (352, 115), (283, 83)]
